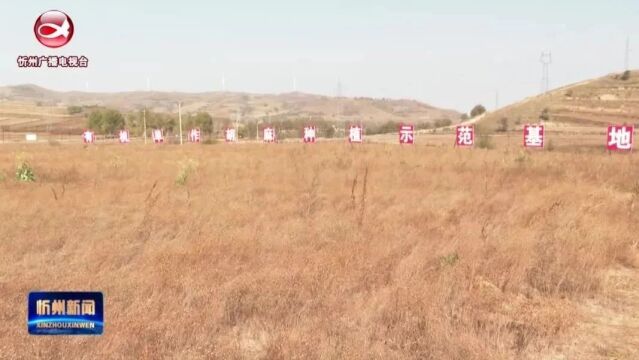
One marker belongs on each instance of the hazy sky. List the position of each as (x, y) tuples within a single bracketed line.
[(453, 53)]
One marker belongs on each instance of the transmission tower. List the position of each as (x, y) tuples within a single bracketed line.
[(546, 60)]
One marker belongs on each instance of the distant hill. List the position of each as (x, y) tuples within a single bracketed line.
[(34, 105), (586, 106)]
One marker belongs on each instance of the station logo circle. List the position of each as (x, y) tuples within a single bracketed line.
[(53, 29)]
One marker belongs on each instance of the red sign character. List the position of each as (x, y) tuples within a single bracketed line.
[(309, 134), (465, 135), (124, 137), (88, 137), (194, 135), (534, 136), (158, 136), (355, 134), (269, 135), (406, 134), (620, 137), (229, 135)]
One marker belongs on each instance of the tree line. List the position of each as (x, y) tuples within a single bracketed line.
[(109, 121)]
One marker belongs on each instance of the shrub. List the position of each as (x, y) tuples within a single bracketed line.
[(503, 125), (522, 157), (485, 142), (244, 132), (477, 110), (443, 122), (626, 75), (550, 146), (106, 121), (201, 120), (24, 173), (72, 110), (423, 126), (328, 132), (388, 127), (545, 114), (186, 169), (449, 260), (168, 122)]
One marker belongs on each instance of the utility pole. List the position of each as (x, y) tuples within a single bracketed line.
[(546, 60), (144, 120), (180, 120), (340, 109), (237, 125), (496, 99), (257, 130)]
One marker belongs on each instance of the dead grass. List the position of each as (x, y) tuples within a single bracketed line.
[(325, 251)]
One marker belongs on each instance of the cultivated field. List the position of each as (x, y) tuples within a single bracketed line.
[(326, 251)]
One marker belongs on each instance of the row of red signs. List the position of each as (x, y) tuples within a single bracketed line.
[(620, 137), (88, 137), (355, 134)]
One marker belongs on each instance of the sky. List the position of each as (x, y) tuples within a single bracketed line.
[(451, 54)]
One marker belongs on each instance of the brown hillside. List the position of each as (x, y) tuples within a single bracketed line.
[(37, 104), (586, 106)]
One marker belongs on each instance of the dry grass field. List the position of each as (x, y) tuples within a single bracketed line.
[(326, 251)]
